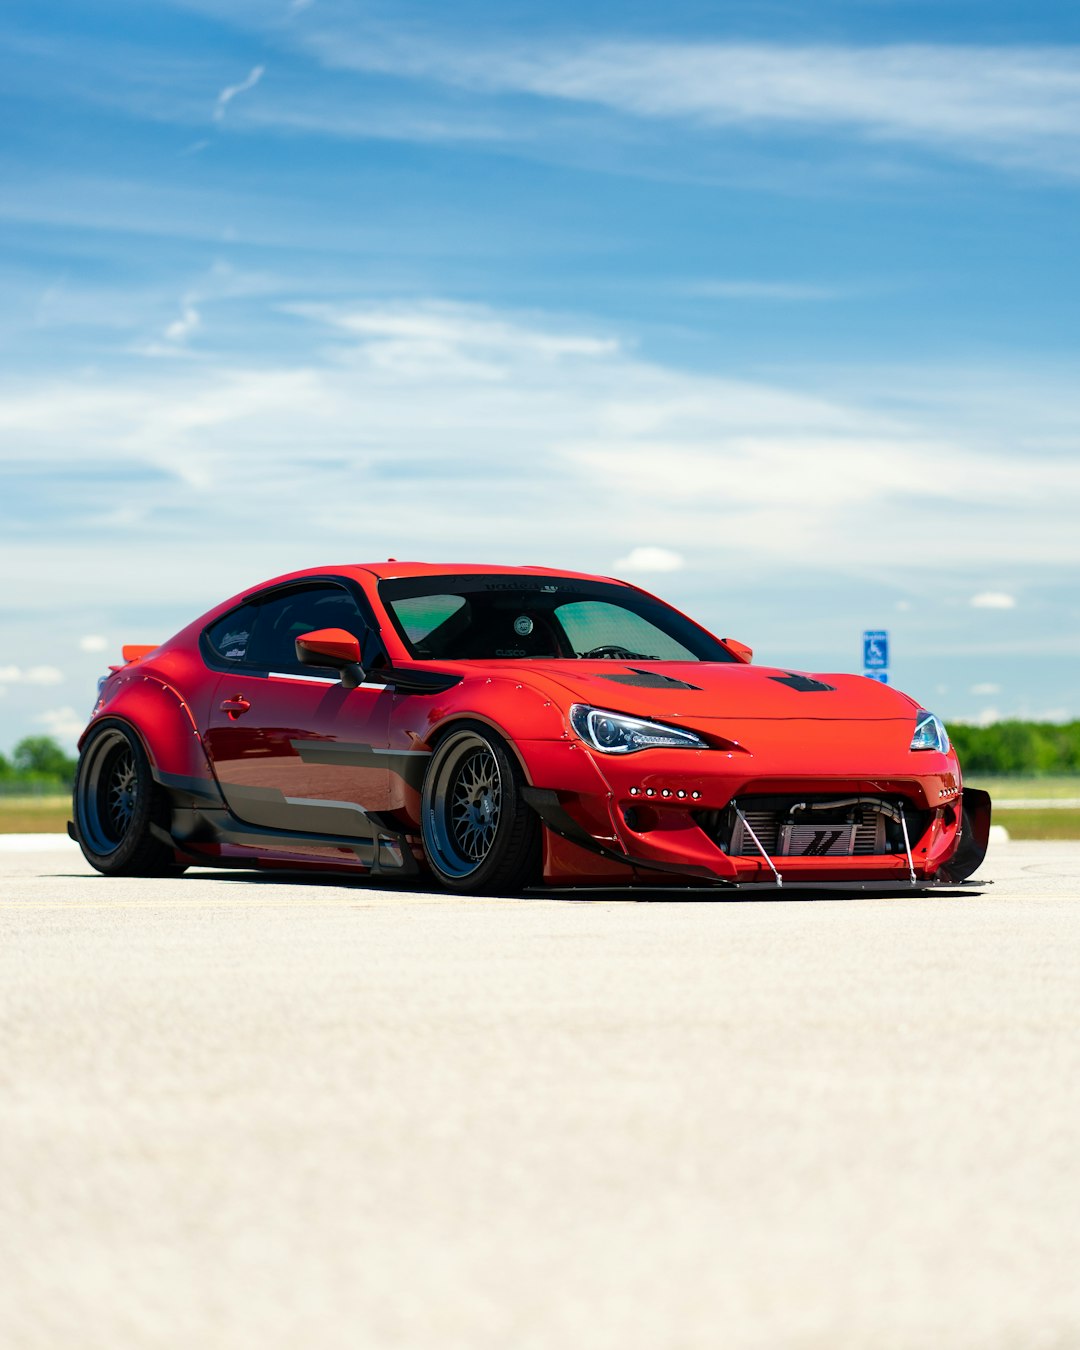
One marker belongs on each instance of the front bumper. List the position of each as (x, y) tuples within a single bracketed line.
[(657, 811)]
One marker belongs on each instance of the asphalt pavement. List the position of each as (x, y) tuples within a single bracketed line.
[(245, 1112)]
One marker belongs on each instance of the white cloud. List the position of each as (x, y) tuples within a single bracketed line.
[(231, 91), (442, 329), (1002, 104), (63, 723), (183, 327), (481, 432), (993, 600), (39, 675), (93, 642), (651, 559), (985, 690)]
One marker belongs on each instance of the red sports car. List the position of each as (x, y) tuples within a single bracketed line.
[(500, 727)]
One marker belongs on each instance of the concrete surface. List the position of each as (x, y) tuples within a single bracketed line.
[(246, 1113)]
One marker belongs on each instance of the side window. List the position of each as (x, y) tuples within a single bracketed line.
[(282, 618), (229, 639)]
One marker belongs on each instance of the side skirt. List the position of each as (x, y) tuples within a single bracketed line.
[(200, 817)]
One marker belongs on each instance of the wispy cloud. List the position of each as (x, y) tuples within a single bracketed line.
[(651, 558), (993, 600), (66, 724), (1003, 104), (182, 328), (41, 675), (233, 90), (521, 420)]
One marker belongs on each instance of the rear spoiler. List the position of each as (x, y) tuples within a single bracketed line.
[(134, 651)]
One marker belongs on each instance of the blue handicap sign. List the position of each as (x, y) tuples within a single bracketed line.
[(875, 646), (882, 676)]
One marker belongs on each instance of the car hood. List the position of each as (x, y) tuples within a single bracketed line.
[(691, 691)]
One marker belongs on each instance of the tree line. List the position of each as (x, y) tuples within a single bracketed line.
[(37, 763), (1016, 747), (1013, 747)]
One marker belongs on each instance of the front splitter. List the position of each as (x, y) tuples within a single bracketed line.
[(791, 891)]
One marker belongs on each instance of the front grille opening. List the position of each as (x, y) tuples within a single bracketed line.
[(816, 825)]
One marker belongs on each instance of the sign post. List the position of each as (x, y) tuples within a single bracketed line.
[(875, 647)]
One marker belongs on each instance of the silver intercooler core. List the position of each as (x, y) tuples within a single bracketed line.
[(842, 827)]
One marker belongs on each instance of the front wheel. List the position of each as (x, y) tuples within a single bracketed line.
[(479, 834), (115, 802)]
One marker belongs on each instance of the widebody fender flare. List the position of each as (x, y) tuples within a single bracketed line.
[(164, 723)]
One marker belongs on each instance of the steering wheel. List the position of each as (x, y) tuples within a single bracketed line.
[(612, 651)]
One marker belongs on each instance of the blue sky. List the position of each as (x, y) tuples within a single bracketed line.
[(769, 307)]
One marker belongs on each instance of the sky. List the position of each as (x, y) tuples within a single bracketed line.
[(771, 308)]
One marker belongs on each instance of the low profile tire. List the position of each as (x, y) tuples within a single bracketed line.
[(115, 802), (479, 834)]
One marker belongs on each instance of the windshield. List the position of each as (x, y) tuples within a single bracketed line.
[(480, 617)]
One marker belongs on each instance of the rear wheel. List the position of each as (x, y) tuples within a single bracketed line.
[(115, 802), (479, 834)]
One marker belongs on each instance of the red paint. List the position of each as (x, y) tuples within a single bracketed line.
[(236, 731)]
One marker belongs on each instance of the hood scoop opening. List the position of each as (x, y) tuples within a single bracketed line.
[(803, 684), (651, 679)]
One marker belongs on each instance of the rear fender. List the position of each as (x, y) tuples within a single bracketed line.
[(164, 723)]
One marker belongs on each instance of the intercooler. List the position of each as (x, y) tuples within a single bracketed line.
[(815, 826)]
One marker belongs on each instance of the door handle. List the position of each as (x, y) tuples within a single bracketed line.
[(235, 706)]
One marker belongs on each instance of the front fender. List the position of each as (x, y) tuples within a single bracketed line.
[(974, 836)]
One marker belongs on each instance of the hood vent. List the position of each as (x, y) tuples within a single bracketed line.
[(650, 679), (803, 684)]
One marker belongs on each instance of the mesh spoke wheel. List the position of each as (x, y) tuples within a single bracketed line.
[(478, 834), (116, 804)]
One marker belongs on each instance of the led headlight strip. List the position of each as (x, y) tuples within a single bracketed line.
[(616, 734)]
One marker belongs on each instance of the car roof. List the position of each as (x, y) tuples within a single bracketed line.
[(382, 571), (392, 567)]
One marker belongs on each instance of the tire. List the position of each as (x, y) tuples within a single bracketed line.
[(974, 833), (479, 834), (114, 803)]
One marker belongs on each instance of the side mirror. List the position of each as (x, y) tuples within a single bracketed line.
[(739, 650), (332, 647)]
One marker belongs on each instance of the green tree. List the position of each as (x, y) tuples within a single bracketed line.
[(40, 756), (1016, 747)]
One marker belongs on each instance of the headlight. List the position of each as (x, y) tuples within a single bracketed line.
[(930, 734), (616, 734)]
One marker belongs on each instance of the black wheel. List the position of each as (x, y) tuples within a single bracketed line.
[(479, 834), (115, 801)]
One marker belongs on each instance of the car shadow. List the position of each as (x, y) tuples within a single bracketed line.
[(579, 895)]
